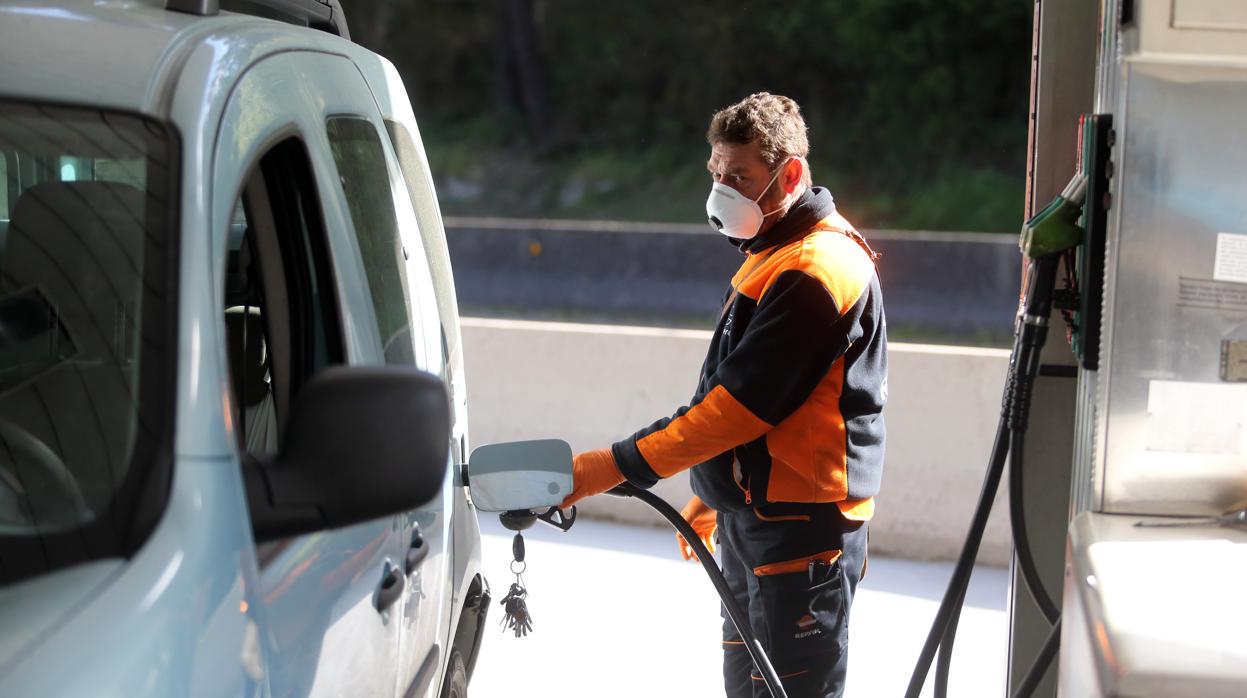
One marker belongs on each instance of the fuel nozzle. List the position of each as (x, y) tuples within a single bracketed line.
[(523, 519), (1055, 228), (1045, 237)]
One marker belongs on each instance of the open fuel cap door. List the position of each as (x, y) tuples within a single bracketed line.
[(520, 475)]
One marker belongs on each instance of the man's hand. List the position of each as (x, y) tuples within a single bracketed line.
[(593, 472), (703, 520)]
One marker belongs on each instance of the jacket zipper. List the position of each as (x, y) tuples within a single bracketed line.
[(737, 467)]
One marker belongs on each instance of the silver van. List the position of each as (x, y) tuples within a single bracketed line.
[(232, 401)]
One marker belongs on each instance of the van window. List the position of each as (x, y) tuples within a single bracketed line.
[(86, 337), (431, 235), (281, 317), (4, 187), (366, 184)]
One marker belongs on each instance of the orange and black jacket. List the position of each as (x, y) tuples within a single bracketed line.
[(789, 404)]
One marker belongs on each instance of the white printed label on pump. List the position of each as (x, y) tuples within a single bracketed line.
[(1231, 264), (1185, 417)]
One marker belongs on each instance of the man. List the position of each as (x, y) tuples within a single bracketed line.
[(785, 433)]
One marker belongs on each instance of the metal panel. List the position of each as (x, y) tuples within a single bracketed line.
[(1188, 28), (1085, 488), (1180, 161), (1063, 84), (1210, 14), (1083, 479)]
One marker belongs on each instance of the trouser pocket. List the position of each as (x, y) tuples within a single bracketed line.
[(805, 603), (806, 614), (798, 598)]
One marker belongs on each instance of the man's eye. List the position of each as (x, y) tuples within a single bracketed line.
[(738, 178)]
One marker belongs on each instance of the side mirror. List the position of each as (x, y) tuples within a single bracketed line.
[(361, 442), (520, 475)]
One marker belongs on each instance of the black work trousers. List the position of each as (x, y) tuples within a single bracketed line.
[(775, 561)]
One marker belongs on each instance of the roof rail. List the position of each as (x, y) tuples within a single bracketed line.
[(203, 8), (325, 15)]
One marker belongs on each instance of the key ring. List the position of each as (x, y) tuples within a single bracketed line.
[(523, 566)]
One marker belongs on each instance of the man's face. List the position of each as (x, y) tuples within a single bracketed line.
[(741, 167)]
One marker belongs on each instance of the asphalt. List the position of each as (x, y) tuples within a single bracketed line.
[(617, 612)]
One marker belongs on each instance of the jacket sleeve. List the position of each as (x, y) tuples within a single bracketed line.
[(797, 332)]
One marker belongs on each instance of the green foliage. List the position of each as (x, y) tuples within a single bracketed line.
[(917, 108), (970, 200)]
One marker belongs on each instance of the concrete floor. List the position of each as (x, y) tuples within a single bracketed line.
[(617, 612)]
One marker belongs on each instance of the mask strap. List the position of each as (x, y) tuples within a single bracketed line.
[(768, 186), (781, 208)]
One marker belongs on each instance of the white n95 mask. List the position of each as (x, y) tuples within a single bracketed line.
[(736, 216)]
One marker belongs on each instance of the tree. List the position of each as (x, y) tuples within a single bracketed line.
[(523, 80)]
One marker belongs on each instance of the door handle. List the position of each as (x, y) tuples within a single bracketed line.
[(416, 553), (391, 588)]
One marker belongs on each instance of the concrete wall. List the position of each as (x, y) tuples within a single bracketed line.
[(593, 384)]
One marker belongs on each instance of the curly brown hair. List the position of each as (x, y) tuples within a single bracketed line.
[(774, 121)]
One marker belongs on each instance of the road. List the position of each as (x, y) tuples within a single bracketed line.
[(617, 612)]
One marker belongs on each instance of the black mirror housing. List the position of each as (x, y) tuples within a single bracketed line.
[(361, 442)]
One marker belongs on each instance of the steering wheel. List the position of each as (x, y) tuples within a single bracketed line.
[(42, 495)]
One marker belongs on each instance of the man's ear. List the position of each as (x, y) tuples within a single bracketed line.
[(791, 178)]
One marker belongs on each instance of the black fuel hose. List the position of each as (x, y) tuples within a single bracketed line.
[(944, 662), (950, 604), (1029, 339), (1032, 335), (1021, 541), (1026, 565), (734, 611)]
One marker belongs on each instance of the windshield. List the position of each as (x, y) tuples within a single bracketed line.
[(85, 247)]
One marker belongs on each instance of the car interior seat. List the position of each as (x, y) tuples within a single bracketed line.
[(72, 288), (253, 394)]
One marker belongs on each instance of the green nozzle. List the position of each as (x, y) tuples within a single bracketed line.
[(1055, 228)]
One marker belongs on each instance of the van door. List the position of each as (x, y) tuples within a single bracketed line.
[(449, 526), (404, 312), (294, 301)]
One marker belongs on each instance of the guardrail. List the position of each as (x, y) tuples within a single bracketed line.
[(934, 284)]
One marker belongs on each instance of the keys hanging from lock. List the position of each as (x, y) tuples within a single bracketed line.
[(516, 617)]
